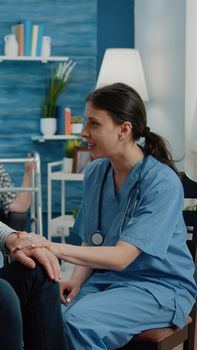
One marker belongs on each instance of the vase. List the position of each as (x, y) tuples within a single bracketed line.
[(48, 126), (46, 46), (76, 128), (67, 166), (11, 45)]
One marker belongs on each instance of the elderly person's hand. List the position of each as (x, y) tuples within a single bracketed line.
[(29, 165), (27, 255), (31, 241), (23, 199), (28, 240)]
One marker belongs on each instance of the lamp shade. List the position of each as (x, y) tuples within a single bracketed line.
[(123, 66)]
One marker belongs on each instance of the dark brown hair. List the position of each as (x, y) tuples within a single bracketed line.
[(123, 103)]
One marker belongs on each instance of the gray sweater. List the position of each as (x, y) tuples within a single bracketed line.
[(4, 232)]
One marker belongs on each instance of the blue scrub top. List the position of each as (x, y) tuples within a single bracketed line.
[(165, 267)]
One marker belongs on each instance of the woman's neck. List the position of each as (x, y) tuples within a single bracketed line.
[(123, 164)]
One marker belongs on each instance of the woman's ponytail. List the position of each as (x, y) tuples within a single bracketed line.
[(156, 146)]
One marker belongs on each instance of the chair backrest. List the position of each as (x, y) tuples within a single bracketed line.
[(190, 216)]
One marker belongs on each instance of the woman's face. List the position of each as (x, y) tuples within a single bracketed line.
[(101, 133)]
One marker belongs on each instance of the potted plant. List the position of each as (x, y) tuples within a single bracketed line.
[(70, 146), (76, 124), (75, 212), (59, 79)]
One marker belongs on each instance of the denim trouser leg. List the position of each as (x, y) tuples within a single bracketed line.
[(40, 305), (11, 333)]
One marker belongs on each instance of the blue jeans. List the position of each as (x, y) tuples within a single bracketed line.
[(39, 312), (11, 336)]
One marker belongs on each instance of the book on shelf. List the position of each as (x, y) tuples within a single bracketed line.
[(67, 121), (39, 39), (63, 120), (37, 34), (34, 39), (27, 36), (19, 32), (60, 120)]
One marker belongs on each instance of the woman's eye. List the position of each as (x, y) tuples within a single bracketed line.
[(93, 123)]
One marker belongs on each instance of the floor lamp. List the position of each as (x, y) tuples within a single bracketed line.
[(123, 66)]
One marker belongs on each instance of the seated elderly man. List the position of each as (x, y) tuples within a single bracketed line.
[(11, 202), (29, 297)]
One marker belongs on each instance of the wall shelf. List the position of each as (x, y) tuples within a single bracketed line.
[(62, 175), (41, 59), (43, 138)]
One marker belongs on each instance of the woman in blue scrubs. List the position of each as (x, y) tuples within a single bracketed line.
[(133, 270)]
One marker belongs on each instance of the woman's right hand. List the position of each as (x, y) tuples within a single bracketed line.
[(71, 288)]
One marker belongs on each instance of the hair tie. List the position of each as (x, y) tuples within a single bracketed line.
[(146, 131)]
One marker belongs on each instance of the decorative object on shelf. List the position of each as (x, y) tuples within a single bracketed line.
[(48, 126), (80, 159), (11, 45), (29, 37), (59, 79), (69, 150), (76, 124), (46, 46)]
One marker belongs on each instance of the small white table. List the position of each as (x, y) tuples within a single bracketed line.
[(60, 225)]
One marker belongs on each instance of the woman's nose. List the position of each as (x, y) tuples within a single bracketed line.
[(84, 132)]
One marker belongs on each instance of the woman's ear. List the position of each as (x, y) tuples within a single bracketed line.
[(125, 129)]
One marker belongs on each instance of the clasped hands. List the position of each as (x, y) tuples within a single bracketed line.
[(29, 240), (25, 247)]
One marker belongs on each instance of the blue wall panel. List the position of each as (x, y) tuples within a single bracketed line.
[(81, 29), (72, 26), (115, 25)]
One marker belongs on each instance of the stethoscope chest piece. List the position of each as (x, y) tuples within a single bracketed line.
[(97, 238)]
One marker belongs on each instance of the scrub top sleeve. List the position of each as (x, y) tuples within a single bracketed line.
[(153, 224)]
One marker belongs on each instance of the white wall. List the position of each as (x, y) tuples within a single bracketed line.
[(160, 38), (191, 90)]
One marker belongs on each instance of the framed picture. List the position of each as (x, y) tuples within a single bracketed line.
[(80, 159)]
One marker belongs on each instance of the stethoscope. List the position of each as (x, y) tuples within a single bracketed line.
[(97, 238)]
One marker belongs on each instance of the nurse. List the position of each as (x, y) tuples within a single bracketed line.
[(133, 270)]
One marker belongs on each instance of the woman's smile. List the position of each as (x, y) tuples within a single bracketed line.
[(91, 146)]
